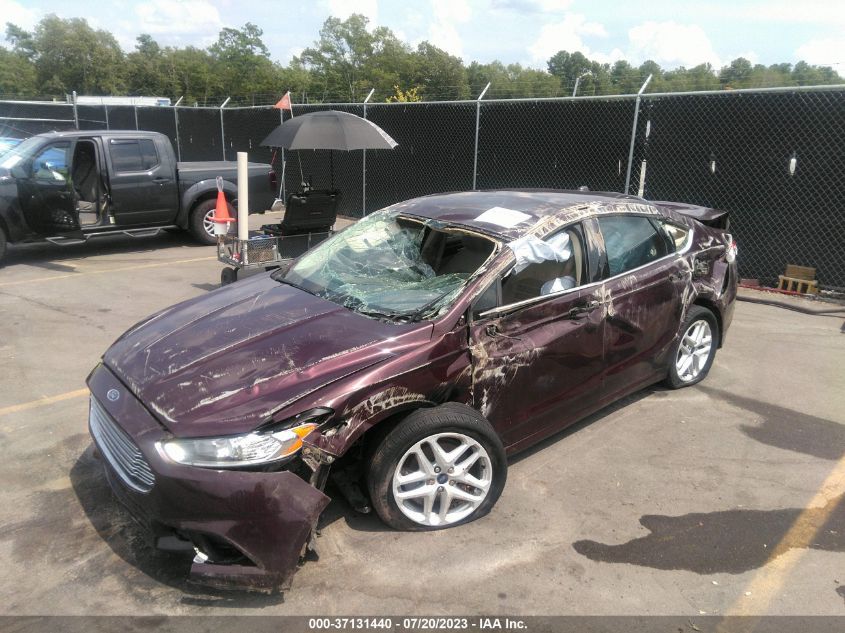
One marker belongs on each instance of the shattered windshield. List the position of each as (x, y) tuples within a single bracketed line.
[(388, 266)]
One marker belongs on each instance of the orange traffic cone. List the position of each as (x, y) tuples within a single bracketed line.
[(221, 218)]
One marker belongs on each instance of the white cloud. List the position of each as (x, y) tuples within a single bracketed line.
[(671, 44), (828, 51), (566, 35), (443, 30), (170, 22), (344, 8), (532, 6), (173, 22), (18, 14)]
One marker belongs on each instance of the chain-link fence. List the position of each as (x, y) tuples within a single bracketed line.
[(774, 158)]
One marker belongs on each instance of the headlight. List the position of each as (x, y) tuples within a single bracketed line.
[(253, 449)]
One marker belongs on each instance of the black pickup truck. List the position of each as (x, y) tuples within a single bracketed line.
[(67, 187)]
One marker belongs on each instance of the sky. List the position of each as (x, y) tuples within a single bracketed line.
[(671, 32)]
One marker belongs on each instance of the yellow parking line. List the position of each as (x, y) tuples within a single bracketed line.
[(16, 408), (106, 270), (769, 581)]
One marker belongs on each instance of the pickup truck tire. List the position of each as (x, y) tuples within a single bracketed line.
[(199, 222)]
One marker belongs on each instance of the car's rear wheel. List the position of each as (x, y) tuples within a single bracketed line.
[(2, 245), (438, 468), (201, 221), (695, 349)]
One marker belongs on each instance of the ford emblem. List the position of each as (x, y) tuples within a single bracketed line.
[(113, 395)]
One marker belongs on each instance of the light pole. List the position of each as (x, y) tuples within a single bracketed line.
[(578, 80)]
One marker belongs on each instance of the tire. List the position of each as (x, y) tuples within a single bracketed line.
[(693, 353), (3, 243), (196, 224), (470, 494)]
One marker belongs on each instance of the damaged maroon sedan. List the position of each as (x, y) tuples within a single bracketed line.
[(408, 356)]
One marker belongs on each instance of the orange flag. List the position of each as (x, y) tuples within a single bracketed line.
[(284, 102)]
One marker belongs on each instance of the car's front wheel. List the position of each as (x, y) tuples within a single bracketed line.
[(695, 349), (438, 468)]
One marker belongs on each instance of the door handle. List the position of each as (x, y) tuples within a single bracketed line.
[(161, 181), (583, 309)]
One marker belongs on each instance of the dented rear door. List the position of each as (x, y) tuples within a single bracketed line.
[(642, 293)]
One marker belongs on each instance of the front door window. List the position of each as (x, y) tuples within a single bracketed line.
[(50, 165)]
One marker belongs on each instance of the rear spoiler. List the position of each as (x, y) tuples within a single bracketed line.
[(710, 217)]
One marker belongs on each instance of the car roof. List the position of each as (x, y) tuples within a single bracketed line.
[(117, 133), (539, 205)]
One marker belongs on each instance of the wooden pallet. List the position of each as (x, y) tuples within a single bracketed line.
[(798, 279)]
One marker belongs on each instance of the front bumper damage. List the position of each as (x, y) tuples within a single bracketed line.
[(249, 529)]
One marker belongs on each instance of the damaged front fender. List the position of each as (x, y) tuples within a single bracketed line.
[(249, 529)]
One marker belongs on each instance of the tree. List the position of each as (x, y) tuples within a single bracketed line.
[(339, 57), (347, 60), (70, 55), (507, 82), (190, 71), (736, 74), (242, 62), (17, 74), (441, 76), (146, 70), (404, 96)]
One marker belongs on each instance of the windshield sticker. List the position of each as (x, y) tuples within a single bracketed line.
[(506, 218)]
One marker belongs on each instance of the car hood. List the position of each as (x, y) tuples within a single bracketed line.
[(228, 361)]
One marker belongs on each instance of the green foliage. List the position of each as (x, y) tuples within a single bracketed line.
[(346, 61), (404, 96), (70, 55), (17, 74)]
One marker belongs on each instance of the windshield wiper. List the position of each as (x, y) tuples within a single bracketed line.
[(393, 317)]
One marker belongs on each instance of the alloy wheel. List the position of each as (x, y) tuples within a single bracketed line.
[(694, 350), (442, 479), (208, 223)]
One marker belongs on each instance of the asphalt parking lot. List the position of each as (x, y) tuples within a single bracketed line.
[(722, 498)]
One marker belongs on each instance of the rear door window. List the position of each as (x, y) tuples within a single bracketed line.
[(677, 235), (630, 242), (133, 154)]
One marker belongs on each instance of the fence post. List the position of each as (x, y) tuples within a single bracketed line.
[(75, 112), (176, 121), (634, 133), (364, 167), (282, 190), (222, 129), (477, 122)]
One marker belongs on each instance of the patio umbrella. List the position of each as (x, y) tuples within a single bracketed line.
[(329, 129)]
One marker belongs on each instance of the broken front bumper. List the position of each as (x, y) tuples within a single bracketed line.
[(250, 527)]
